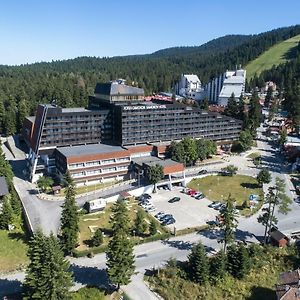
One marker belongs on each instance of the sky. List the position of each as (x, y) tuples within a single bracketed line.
[(46, 30)]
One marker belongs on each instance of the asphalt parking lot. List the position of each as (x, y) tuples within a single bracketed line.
[(188, 212)]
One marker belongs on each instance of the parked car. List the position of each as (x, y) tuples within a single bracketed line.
[(146, 196), (220, 206), (192, 192), (199, 197), (145, 205), (166, 217), (297, 200), (160, 215), (213, 204), (143, 202), (168, 221), (212, 223), (150, 208), (174, 199), (202, 172)]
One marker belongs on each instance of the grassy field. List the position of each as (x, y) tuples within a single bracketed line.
[(258, 285), (219, 187), (274, 56), (13, 251), (101, 220)]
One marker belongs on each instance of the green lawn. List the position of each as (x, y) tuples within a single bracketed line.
[(218, 187), (12, 251), (273, 56), (101, 220)]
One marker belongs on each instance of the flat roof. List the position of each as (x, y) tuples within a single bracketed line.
[(74, 109), (89, 149), (153, 160)]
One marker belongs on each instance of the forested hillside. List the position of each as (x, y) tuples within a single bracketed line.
[(71, 81), (214, 46)]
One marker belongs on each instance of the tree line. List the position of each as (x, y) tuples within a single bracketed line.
[(11, 211), (69, 82), (189, 150)]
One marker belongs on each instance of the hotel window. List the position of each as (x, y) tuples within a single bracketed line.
[(79, 174), (79, 165), (108, 161), (108, 170), (92, 163), (122, 168), (92, 172), (123, 159)]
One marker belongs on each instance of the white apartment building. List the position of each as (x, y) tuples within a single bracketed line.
[(221, 88), (189, 86)]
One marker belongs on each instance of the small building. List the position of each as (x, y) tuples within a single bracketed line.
[(125, 196), (96, 205), (288, 287), (277, 238), (3, 187), (174, 172)]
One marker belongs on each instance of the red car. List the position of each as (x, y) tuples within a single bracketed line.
[(192, 192)]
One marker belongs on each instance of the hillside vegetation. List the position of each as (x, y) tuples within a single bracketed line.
[(70, 82), (278, 54)]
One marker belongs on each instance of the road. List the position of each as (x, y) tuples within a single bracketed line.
[(154, 255)]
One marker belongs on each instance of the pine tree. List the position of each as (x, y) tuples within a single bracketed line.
[(97, 239), (47, 275), (153, 227), (198, 264), (139, 223), (232, 107), (22, 113), (229, 222), (120, 257), (68, 180), (232, 260), (238, 261), (2, 115), (241, 108), (217, 267), (6, 216), (254, 114), (244, 261), (32, 287), (69, 221), (269, 96)]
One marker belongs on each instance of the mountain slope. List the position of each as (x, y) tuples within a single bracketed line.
[(277, 54), (220, 44)]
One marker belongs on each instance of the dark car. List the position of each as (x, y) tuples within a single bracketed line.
[(202, 172), (166, 217), (169, 221), (146, 196), (174, 199), (212, 223), (200, 197)]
